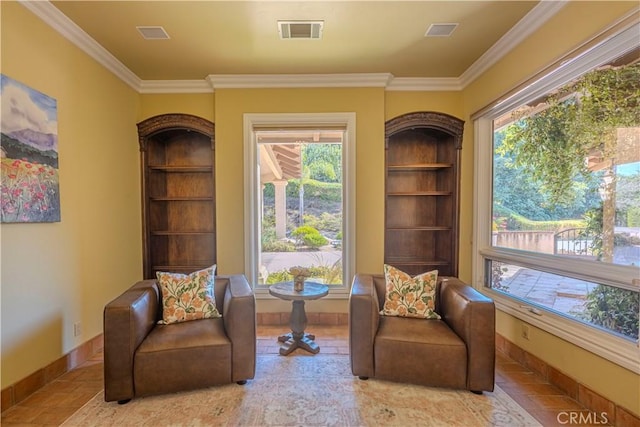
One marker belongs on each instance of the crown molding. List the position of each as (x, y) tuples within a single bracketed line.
[(175, 86), (424, 84), (68, 29), (238, 81), (262, 81), (530, 23)]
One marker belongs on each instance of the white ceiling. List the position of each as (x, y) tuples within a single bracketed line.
[(221, 41)]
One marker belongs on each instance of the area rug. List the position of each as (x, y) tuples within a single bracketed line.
[(308, 391)]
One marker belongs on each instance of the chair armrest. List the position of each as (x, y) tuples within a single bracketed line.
[(364, 318), (239, 316), (128, 319), (472, 316)]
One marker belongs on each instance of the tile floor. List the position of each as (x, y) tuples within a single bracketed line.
[(55, 402)]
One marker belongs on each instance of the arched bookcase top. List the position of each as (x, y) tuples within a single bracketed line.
[(427, 120), (167, 122)]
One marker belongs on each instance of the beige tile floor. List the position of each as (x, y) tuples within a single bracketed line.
[(55, 402)]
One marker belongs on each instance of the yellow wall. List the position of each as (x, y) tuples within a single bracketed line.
[(542, 48), (367, 103), (604, 377), (200, 105), (56, 274), (573, 25), (372, 107)]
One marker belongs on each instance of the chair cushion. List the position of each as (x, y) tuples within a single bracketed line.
[(408, 296), (183, 356), (188, 296), (415, 351)]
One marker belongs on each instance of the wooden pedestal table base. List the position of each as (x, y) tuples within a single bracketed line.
[(297, 338)]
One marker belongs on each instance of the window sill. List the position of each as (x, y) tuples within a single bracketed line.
[(620, 351)]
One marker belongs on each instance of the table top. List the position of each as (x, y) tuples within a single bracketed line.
[(311, 290)]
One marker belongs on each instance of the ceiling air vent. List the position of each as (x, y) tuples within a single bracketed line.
[(153, 33), (300, 29), (440, 30)]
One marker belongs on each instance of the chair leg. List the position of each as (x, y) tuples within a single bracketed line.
[(363, 378), (124, 401), (243, 382)]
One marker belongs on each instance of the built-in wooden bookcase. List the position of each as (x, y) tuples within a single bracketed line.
[(422, 191), (178, 193)]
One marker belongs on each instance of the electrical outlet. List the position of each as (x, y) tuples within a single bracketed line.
[(525, 331), (77, 329)]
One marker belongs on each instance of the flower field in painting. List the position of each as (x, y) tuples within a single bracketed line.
[(29, 191)]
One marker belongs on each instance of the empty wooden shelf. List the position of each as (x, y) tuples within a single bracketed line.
[(422, 186), (178, 191)]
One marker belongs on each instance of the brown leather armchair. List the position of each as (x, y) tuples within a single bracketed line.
[(455, 352), (142, 357)]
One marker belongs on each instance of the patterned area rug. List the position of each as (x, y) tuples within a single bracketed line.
[(309, 391)]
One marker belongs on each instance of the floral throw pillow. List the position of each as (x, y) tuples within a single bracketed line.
[(408, 296), (187, 297)]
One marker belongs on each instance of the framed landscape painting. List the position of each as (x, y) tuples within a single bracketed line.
[(29, 154)]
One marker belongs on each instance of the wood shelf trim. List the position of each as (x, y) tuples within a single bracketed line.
[(420, 193), (169, 168), (180, 233), (419, 167), (181, 199)]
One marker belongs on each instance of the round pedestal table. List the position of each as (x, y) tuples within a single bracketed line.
[(297, 338)]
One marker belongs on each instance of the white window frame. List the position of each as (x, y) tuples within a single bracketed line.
[(252, 190), (621, 351)]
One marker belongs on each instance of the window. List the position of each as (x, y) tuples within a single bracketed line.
[(299, 181), (301, 202), (558, 196)]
